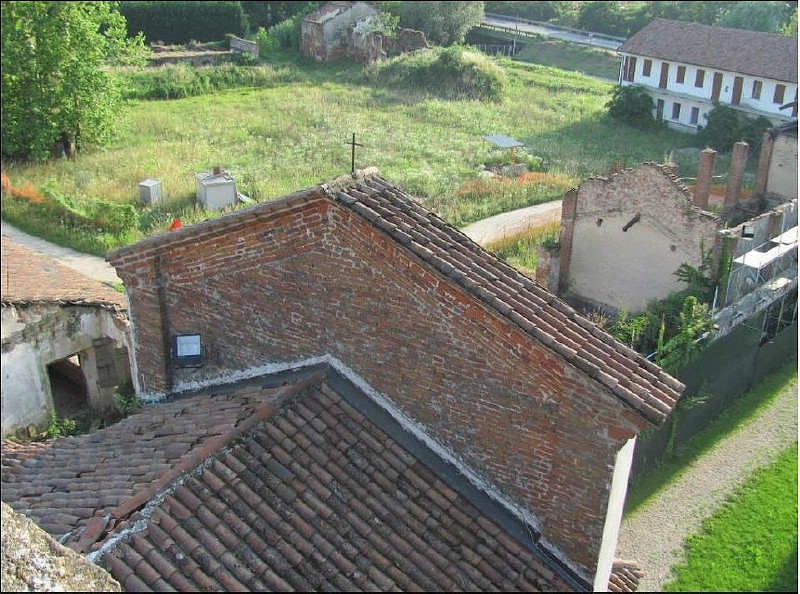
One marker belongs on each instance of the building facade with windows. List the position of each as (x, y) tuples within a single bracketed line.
[(688, 68)]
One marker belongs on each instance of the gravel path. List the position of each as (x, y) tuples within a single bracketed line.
[(513, 222), (654, 535)]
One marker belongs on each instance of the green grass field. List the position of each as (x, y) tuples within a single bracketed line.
[(290, 130), (750, 545)]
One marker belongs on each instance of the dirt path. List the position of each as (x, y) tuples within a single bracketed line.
[(514, 222), (90, 266), (481, 232)]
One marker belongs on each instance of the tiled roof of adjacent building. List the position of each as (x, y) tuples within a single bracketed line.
[(29, 277), (298, 482), (754, 53)]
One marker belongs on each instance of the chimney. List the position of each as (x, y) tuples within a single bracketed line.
[(733, 189), (705, 178), (762, 173)]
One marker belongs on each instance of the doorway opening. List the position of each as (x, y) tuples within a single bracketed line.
[(68, 387)]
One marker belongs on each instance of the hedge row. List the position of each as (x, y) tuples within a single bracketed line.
[(182, 22)]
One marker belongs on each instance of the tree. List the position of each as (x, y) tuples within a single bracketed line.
[(755, 16), (790, 28), (601, 17), (444, 23), (57, 93)]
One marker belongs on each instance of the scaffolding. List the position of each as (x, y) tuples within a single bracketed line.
[(761, 279)]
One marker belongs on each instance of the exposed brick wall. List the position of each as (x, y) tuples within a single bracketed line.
[(309, 277)]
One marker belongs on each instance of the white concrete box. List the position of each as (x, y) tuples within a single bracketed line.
[(215, 191)]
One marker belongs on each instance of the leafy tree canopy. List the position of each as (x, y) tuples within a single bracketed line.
[(56, 89), (756, 16), (444, 23)]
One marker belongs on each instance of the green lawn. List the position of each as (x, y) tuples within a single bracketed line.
[(743, 410), (750, 545)]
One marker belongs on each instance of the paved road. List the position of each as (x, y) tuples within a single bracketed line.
[(584, 37), (511, 223)]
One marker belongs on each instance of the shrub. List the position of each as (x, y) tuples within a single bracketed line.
[(727, 126), (453, 73), (126, 399), (631, 105), (288, 32)]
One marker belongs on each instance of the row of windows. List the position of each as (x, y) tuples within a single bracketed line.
[(693, 117), (778, 97)]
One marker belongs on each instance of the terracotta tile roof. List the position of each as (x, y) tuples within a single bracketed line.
[(754, 53), (638, 382), (297, 482), (625, 576), (29, 277)]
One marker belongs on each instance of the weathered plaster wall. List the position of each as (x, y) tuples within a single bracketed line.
[(35, 336), (621, 269), (782, 178)]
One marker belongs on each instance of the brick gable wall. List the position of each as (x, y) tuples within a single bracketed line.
[(311, 278)]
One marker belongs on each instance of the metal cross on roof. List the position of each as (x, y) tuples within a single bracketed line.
[(353, 144)]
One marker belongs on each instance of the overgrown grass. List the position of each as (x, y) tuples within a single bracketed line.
[(743, 411), (290, 133), (750, 545), (571, 56), (564, 55), (521, 250)]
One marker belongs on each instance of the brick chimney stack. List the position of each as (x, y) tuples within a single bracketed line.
[(733, 189), (764, 157), (705, 178)]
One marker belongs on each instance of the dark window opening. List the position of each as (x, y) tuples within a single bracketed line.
[(681, 76), (780, 91), (780, 316), (648, 64), (700, 78), (68, 387)]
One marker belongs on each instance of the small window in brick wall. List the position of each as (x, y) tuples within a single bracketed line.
[(187, 350)]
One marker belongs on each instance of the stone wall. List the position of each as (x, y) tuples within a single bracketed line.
[(306, 278)]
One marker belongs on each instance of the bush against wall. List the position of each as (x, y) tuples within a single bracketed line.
[(182, 22), (727, 126), (631, 104)]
